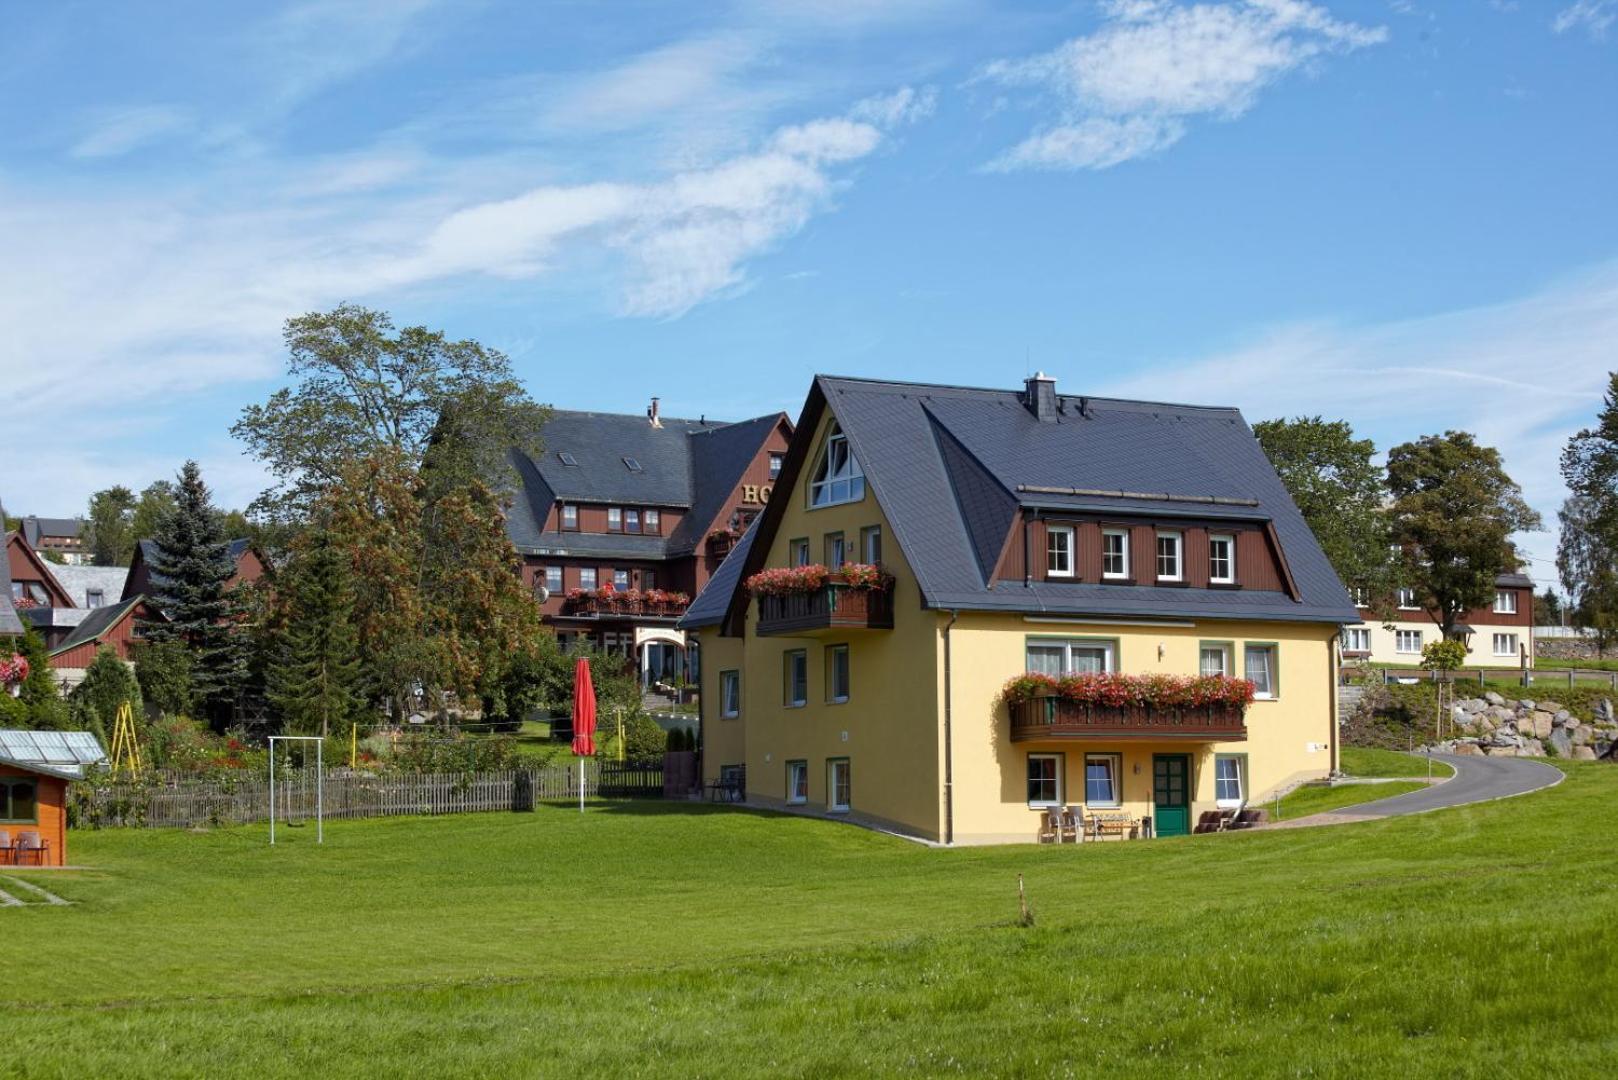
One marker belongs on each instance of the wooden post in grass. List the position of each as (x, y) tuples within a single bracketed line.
[(1025, 917)]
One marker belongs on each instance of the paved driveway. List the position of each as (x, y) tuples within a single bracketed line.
[(1476, 779)]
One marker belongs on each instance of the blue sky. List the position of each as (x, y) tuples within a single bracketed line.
[(1401, 213)]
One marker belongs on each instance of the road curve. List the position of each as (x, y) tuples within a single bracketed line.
[(1476, 779)]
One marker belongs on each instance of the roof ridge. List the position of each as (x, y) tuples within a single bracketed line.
[(899, 384)]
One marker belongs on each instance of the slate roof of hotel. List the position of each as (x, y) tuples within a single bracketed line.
[(952, 466)]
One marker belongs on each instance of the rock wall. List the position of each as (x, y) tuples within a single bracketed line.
[(1493, 726), (1548, 648)]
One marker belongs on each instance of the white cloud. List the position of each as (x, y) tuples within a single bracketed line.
[(312, 45), (698, 72), (1521, 375), (904, 106), (1129, 88), (112, 132), (1595, 17)]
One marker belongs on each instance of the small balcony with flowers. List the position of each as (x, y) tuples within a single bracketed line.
[(1101, 705), (642, 605), (810, 600)]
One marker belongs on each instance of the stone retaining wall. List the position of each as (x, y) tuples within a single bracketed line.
[(1493, 726)]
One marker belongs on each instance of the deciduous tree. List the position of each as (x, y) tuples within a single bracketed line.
[(111, 526)]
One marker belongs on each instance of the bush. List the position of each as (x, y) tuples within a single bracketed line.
[(108, 683), (453, 753), (163, 670)]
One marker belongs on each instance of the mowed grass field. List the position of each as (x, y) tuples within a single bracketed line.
[(658, 940)]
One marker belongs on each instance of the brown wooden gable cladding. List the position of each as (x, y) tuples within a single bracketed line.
[(28, 569), (1259, 565)]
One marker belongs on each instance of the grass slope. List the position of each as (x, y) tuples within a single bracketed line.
[(687, 940), (1367, 761)]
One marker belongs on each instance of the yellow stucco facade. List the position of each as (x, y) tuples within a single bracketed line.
[(891, 729)]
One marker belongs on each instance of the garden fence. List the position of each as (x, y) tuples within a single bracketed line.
[(187, 800)]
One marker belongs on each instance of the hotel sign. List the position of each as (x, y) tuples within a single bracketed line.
[(757, 494)]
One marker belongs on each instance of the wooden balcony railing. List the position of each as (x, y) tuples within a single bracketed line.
[(1054, 718), (591, 607), (834, 606)]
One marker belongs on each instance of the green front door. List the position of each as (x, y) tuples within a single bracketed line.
[(1171, 799)]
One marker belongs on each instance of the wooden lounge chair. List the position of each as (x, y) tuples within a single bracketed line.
[(29, 845), (6, 852)]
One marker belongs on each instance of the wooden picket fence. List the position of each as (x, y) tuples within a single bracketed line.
[(187, 800)]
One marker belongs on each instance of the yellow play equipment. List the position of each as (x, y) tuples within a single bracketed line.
[(125, 750)]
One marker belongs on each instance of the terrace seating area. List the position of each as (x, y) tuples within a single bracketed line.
[(27, 850), (1072, 825), (1230, 820)]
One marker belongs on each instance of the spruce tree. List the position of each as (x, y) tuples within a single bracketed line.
[(190, 569), (314, 680), (46, 709)]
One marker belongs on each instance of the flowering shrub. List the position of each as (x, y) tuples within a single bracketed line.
[(790, 580), (576, 595), (13, 671), (1133, 691)]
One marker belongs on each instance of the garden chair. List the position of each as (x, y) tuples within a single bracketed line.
[(1050, 827), (29, 844), (6, 854), (1071, 824)]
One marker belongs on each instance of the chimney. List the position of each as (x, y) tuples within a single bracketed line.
[(651, 414), (1039, 396)]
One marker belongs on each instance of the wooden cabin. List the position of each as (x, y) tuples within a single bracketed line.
[(36, 768)]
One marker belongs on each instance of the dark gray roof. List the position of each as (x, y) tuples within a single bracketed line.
[(35, 527), (692, 465), (709, 608), (1522, 581), (80, 581), (950, 466), (98, 622), (151, 551)]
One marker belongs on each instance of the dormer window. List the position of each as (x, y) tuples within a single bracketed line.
[(570, 516), (1168, 556), (837, 477)]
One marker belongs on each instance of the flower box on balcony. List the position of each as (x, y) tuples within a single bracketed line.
[(1055, 718), (833, 606)]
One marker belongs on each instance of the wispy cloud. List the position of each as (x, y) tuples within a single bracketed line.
[(312, 45), (1594, 17), (1522, 375), (1132, 87), (112, 132)]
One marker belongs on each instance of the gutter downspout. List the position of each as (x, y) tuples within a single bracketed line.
[(949, 753)]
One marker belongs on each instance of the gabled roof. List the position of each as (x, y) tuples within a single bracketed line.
[(147, 553), (47, 573), (711, 604), (953, 467), (79, 581), (690, 465), (54, 753), (96, 624), (36, 528)]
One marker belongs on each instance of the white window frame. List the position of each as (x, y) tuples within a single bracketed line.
[(615, 519), (1229, 577), (1114, 763), (776, 458), (1401, 636), (871, 544), (651, 522), (797, 769), (620, 580), (1357, 639), (1222, 798), (570, 516), (1407, 600), (1179, 555), (847, 802), (1056, 781), (1273, 669), (799, 552), (790, 698), (632, 518), (730, 694), (1227, 657), (1107, 646), (1122, 553), (587, 577), (832, 695), (1511, 647), (1052, 551), (1360, 595), (1505, 602), (553, 578), (836, 485)]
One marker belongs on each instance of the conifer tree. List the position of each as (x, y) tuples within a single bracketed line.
[(314, 680), (108, 683)]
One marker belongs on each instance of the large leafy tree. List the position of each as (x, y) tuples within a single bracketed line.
[(314, 678), (152, 511), (1339, 490), (1453, 514), (191, 573), (450, 408), (1587, 563), (111, 526)]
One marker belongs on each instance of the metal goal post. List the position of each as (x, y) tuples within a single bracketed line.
[(320, 783)]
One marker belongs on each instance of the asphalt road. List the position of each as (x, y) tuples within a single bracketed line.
[(1476, 779)]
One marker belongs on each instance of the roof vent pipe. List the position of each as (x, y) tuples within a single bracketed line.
[(1039, 396), (652, 415)]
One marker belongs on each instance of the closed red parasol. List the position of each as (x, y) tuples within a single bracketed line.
[(584, 719)]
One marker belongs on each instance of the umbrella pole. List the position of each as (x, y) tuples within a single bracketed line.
[(581, 785)]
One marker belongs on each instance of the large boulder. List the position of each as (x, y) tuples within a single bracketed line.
[(1502, 751), (1563, 718), (1532, 748), (1581, 734), (1561, 742), (1584, 753), (1527, 706), (1467, 748), (1542, 723), (1603, 712), (1552, 707), (1495, 699)]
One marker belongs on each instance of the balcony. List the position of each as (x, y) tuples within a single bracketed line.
[(1054, 718), (832, 607), (621, 606)]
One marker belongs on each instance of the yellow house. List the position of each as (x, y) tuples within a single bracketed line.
[(1017, 532)]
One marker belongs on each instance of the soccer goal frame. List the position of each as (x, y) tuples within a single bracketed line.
[(320, 783)]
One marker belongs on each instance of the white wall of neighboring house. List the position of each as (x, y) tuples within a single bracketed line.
[(1418, 630)]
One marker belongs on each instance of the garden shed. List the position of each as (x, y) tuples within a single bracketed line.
[(35, 770)]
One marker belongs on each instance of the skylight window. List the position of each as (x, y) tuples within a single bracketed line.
[(634, 465), (567, 458)]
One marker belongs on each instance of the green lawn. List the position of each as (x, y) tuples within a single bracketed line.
[(1319, 799), (1365, 761), (698, 941)]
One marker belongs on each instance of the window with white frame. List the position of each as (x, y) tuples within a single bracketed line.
[(1101, 779), (1059, 551), (1215, 658), (1505, 644), (836, 550), (775, 472), (553, 578), (653, 520), (1259, 661), (1407, 641), (1357, 639), (587, 577), (797, 782), (615, 519), (1058, 656), (1222, 560), (1044, 780), (1168, 556), (839, 784), (800, 552), (1360, 595), (570, 516), (631, 521), (837, 477), (1407, 600), (1228, 786), (871, 544), (730, 694), (1114, 553), (1505, 602), (795, 678), (620, 580), (94, 598), (837, 674)]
